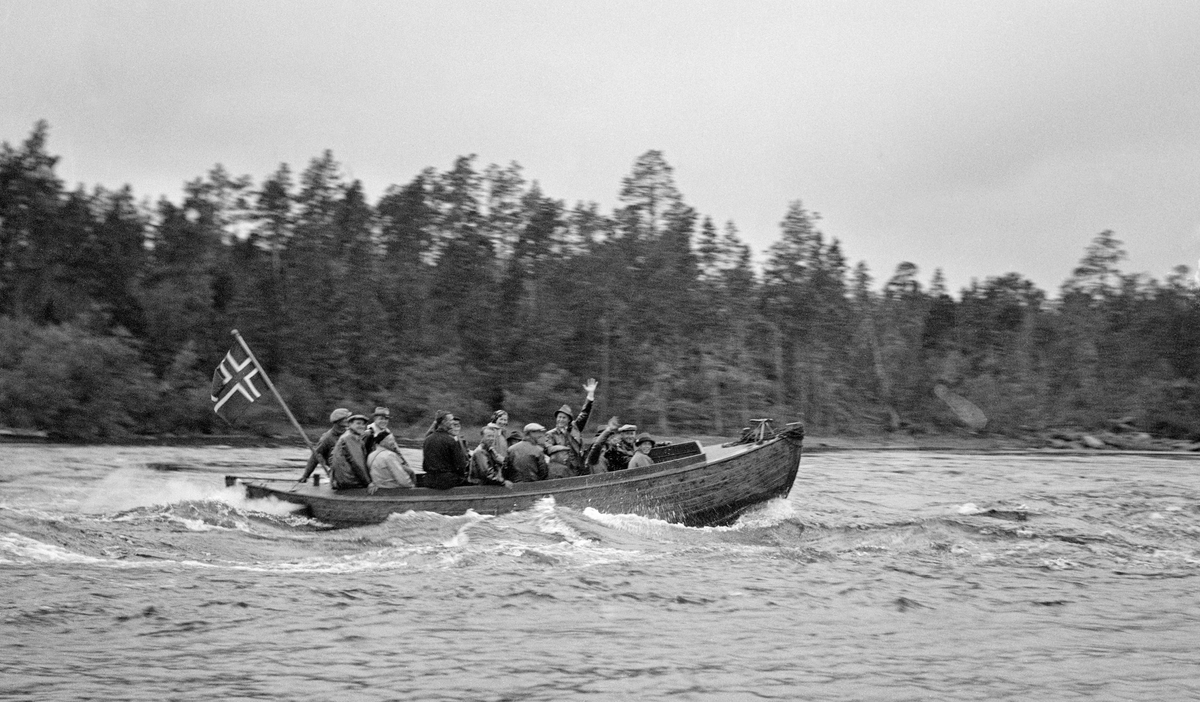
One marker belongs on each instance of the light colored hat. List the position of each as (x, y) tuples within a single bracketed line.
[(382, 412), (338, 415), (363, 417), (534, 426), (628, 427), (565, 409)]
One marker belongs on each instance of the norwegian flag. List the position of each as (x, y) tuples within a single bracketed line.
[(233, 387)]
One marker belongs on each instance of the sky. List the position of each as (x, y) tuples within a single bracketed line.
[(980, 138)]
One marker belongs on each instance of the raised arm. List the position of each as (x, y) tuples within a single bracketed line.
[(582, 418)]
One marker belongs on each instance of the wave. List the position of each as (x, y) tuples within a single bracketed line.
[(211, 514), (225, 530), (15, 548), (129, 489)]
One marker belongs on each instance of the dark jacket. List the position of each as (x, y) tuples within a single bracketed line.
[(487, 468), (617, 457), (559, 467), (572, 438), (444, 461), (349, 463), (603, 457), (321, 452), (528, 462)]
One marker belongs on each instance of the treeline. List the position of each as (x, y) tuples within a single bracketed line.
[(471, 289)]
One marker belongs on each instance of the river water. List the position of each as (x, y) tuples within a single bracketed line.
[(133, 573)]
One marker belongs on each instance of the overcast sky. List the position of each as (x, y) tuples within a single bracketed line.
[(978, 137)]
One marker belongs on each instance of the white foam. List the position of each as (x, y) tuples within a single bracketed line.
[(769, 514), (969, 508), (460, 538), (547, 521), (130, 488), (15, 548), (633, 523), (25, 549)]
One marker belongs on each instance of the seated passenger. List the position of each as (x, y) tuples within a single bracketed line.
[(609, 453), (457, 432), (560, 463), (348, 461), (527, 459), (389, 471), (323, 449), (487, 467), (626, 433), (378, 433), (593, 460), (444, 461), (641, 457), (500, 421)]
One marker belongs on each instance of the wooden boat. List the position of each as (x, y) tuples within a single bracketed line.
[(687, 484)]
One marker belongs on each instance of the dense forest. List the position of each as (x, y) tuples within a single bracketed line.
[(471, 289)]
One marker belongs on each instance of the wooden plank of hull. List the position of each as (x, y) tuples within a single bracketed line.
[(699, 490)]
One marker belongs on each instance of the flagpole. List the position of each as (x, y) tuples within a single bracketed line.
[(271, 385)]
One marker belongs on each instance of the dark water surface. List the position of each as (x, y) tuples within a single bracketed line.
[(133, 573)]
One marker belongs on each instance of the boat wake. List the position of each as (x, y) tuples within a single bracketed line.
[(175, 520)]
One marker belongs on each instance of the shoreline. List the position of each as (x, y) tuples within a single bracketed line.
[(1083, 444)]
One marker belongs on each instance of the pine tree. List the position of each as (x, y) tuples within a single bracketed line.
[(29, 207), (648, 194)]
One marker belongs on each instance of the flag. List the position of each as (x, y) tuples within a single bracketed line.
[(233, 385)]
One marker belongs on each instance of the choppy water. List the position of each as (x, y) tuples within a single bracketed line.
[(135, 574)]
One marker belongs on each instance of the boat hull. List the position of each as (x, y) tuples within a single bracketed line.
[(709, 488)]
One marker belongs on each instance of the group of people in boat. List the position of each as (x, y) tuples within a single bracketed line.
[(361, 452)]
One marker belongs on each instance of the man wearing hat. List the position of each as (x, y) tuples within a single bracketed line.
[(348, 460), (568, 432), (378, 434), (389, 468), (641, 457), (527, 458), (324, 447), (625, 434), (444, 461)]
